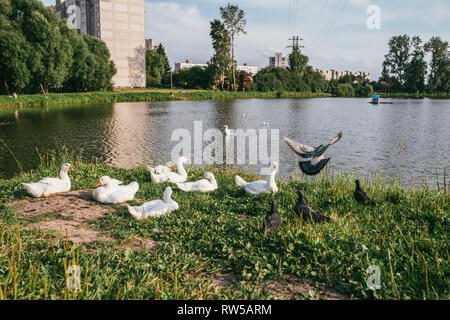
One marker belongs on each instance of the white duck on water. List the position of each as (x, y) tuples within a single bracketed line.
[(260, 186), (112, 191), (51, 186), (209, 183), (154, 208), (169, 176)]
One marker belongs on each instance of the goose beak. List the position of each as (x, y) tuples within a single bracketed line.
[(98, 184), (71, 168)]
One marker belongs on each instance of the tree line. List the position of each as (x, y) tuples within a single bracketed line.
[(39, 51), (405, 68)]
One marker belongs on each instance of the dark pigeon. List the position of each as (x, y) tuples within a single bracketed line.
[(305, 151), (361, 196), (313, 166), (273, 219), (307, 212)]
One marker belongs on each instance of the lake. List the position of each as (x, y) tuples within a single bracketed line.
[(408, 138)]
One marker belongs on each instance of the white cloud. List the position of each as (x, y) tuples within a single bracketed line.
[(181, 28)]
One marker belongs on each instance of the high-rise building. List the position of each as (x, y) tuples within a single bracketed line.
[(278, 60), (121, 25)]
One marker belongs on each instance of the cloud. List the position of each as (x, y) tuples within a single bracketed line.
[(181, 28)]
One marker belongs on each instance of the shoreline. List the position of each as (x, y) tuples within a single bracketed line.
[(147, 95), (215, 238), (34, 100)]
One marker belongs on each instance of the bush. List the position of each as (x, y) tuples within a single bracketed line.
[(345, 90)]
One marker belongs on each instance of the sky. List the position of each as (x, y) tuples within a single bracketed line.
[(334, 32)]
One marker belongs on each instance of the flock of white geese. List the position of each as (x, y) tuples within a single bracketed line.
[(112, 191)]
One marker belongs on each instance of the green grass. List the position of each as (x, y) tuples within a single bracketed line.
[(134, 95), (406, 235)]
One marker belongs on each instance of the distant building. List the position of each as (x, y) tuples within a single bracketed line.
[(151, 45), (252, 70), (189, 64), (335, 74), (120, 24), (278, 60)]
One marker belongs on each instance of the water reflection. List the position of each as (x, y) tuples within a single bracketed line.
[(128, 134)]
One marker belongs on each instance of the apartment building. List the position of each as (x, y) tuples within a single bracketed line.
[(121, 25), (335, 74), (278, 60)]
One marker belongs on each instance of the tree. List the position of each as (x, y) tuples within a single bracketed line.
[(157, 67), (103, 68), (233, 19), (396, 60), (297, 61), (221, 43), (439, 76), (416, 68), (345, 90), (196, 77), (165, 67)]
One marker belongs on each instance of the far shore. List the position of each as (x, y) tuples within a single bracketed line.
[(136, 95)]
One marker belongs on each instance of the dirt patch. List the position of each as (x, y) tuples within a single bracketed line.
[(142, 244), (291, 289), (224, 279), (74, 209)]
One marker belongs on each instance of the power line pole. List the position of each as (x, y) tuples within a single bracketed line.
[(295, 40)]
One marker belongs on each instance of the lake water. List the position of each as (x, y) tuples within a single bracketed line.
[(406, 138)]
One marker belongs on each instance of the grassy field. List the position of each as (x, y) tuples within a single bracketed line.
[(217, 236), (133, 95)]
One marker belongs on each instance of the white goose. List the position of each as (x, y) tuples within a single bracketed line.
[(170, 176), (111, 191), (260, 186), (154, 208), (51, 186), (203, 185), (163, 168)]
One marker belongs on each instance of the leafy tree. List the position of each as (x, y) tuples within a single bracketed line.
[(221, 43), (345, 90), (396, 61), (416, 68), (297, 61), (279, 79), (233, 19), (104, 68), (366, 90), (157, 67), (51, 51), (439, 76), (14, 53), (196, 77), (165, 76)]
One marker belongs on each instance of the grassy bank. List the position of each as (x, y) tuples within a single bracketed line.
[(218, 235), (142, 95)]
